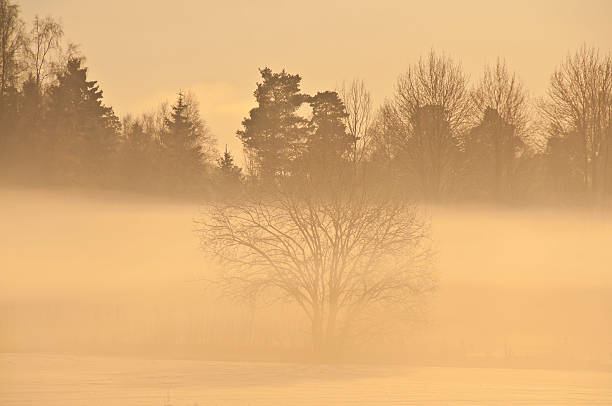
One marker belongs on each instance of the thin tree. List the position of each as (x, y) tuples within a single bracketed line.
[(359, 116), (11, 41), (45, 39)]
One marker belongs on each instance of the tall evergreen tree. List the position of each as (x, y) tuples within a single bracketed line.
[(229, 177), (81, 131), (328, 142), (273, 134), (183, 157), (228, 168)]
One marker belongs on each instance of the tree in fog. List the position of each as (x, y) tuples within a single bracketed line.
[(138, 155), (493, 147), (387, 139), (11, 38), (349, 257), (230, 174), (502, 91), (274, 133), (564, 160), (327, 144), (186, 141), (11, 41), (433, 107), (81, 133), (44, 39), (359, 116), (579, 102)]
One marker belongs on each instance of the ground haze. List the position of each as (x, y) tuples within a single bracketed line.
[(119, 309)]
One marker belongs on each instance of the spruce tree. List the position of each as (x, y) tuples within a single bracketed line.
[(229, 171), (82, 132), (184, 166)]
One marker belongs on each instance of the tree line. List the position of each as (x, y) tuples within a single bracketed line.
[(441, 137), (55, 128)]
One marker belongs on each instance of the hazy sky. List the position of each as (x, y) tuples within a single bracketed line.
[(143, 51)]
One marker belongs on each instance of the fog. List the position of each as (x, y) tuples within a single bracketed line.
[(324, 203), (102, 273)]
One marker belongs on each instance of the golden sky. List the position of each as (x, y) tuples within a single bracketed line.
[(143, 51)]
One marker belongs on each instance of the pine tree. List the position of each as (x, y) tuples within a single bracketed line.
[(273, 134), (82, 132), (184, 164), (329, 141), (229, 171)]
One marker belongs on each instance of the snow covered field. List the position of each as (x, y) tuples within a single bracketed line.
[(57, 380)]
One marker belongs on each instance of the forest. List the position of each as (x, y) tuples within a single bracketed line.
[(443, 137)]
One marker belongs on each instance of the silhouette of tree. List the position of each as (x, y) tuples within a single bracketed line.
[(492, 150), (328, 144), (139, 156), (349, 257), (358, 120), (431, 151), (502, 91), (81, 132), (11, 40), (227, 166), (44, 40), (433, 107), (273, 134), (230, 174), (579, 101), (564, 165), (183, 141), (495, 146), (11, 37), (26, 148), (388, 140), (434, 139)]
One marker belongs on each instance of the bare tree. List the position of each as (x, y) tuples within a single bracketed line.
[(340, 252), (11, 41), (579, 100), (495, 145), (358, 105), (501, 90), (387, 141), (435, 81), (45, 38), (433, 106), (206, 140)]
